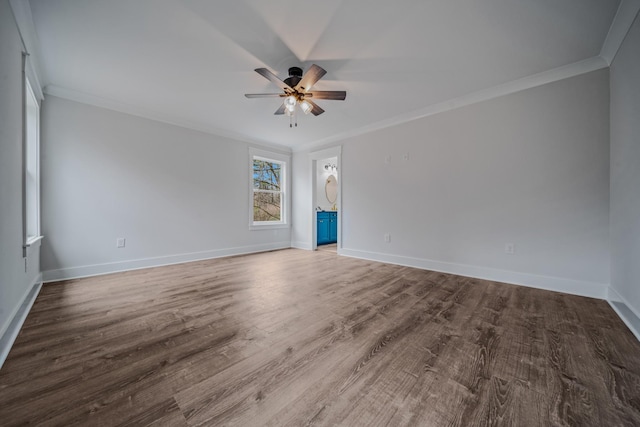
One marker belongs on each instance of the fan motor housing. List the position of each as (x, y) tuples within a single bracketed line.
[(295, 72), (295, 75)]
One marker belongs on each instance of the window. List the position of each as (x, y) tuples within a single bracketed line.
[(31, 214), (268, 189)]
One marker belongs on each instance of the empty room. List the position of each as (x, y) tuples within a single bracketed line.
[(338, 213)]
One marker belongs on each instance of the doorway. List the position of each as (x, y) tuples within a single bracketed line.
[(326, 200)]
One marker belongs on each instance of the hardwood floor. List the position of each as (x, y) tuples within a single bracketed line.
[(331, 247), (292, 338)]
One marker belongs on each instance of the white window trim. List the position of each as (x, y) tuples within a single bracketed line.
[(29, 93), (286, 189)]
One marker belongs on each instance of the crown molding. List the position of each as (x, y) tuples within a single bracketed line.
[(622, 22), (145, 113), (24, 21), (543, 78)]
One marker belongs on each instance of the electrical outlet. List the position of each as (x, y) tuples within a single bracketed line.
[(387, 160), (509, 248), (387, 237), (120, 241)]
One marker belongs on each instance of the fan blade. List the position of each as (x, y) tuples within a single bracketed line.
[(265, 95), (313, 74), (272, 77), (280, 110), (316, 110), (336, 95)]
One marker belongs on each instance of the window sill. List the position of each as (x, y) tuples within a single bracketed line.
[(267, 226), (32, 241)]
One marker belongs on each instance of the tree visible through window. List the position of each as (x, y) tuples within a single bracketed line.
[(267, 190)]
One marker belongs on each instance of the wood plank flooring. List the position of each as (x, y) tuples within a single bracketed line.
[(296, 338)]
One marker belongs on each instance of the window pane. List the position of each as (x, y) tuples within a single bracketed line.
[(266, 175), (31, 206), (266, 206), (31, 165)]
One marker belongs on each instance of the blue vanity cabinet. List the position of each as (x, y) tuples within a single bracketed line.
[(333, 228), (327, 227)]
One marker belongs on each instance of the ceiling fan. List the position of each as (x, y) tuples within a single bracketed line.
[(297, 91)]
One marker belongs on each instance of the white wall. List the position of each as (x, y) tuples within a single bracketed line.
[(625, 173), (15, 283), (301, 201), (530, 168), (174, 194)]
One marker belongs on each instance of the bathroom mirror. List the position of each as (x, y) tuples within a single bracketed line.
[(331, 188)]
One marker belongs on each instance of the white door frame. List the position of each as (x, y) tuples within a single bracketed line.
[(313, 159)]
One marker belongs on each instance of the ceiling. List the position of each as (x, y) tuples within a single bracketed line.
[(190, 62)]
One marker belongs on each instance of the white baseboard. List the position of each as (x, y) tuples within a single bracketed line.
[(627, 313), (114, 267), (17, 318), (557, 284)]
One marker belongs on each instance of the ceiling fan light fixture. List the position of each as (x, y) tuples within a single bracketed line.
[(290, 101), (306, 107)]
